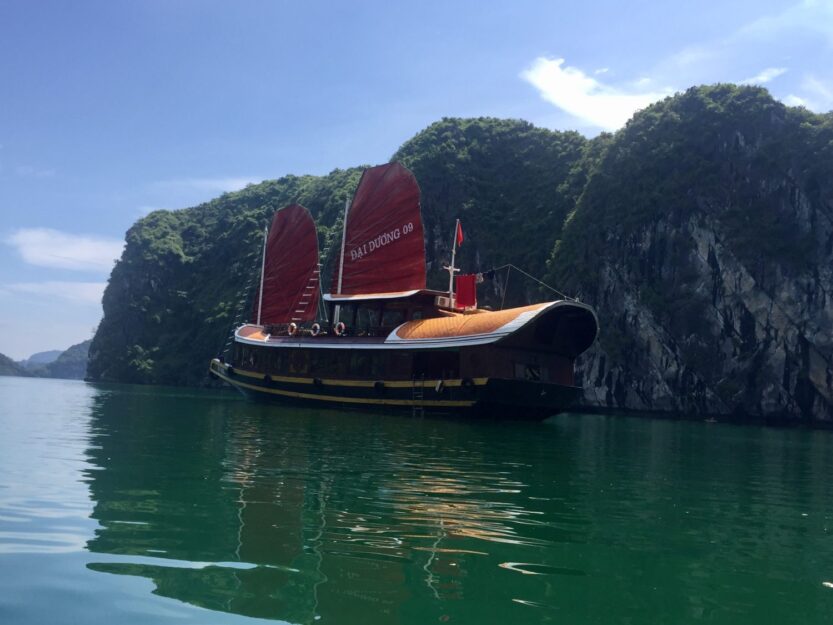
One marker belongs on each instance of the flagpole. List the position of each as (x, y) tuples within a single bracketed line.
[(262, 271)]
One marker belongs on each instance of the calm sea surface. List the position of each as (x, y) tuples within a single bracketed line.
[(124, 504)]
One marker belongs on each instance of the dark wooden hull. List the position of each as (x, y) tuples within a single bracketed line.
[(516, 363), (481, 396)]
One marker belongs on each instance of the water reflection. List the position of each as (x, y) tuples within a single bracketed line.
[(113, 500), (300, 516), (354, 518)]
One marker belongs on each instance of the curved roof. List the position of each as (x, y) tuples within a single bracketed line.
[(465, 325), (458, 330)]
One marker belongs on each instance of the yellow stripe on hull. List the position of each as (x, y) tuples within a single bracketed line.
[(356, 383), (428, 403)]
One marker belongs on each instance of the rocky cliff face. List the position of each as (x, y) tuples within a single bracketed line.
[(714, 295)]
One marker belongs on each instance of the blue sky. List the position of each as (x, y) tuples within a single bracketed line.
[(111, 109)]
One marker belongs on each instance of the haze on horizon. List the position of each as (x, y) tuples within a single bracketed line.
[(111, 110)]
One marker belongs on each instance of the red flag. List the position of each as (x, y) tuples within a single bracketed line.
[(459, 234)]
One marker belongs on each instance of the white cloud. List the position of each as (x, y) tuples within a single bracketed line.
[(206, 184), (46, 247), (601, 70), (573, 91), (764, 76), (75, 292), (821, 93), (794, 100), (817, 95)]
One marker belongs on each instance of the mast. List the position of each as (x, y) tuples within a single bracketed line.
[(341, 258), (452, 269), (262, 272)]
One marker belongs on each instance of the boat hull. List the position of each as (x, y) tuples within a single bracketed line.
[(486, 397)]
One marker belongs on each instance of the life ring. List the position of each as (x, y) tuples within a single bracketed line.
[(315, 329), (292, 329), (340, 329)]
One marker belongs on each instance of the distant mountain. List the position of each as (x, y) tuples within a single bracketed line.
[(71, 364), (41, 358), (10, 367)]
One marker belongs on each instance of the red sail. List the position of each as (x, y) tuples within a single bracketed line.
[(384, 249), (290, 276)]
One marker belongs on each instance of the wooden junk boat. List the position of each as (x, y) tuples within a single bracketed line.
[(384, 339)]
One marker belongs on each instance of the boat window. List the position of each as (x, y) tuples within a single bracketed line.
[(298, 361), (367, 319), (417, 314), (324, 363), (359, 364), (366, 364), (272, 360), (251, 359), (348, 316), (398, 364), (442, 365), (392, 318)]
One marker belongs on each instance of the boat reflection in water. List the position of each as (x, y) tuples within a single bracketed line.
[(306, 514)]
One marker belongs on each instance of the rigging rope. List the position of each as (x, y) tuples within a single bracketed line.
[(510, 266)]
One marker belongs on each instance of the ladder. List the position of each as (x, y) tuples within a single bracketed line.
[(309, 292), (418, 397)]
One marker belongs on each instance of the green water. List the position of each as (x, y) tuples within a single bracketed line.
[(147, 505)]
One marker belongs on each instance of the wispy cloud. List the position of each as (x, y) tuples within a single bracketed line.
[(817, 95), (46, 247), (87, 293), (585, 97), (764, 76), (222, 184)]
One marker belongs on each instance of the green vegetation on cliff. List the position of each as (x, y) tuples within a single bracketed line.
[(185, 275), (702, 232), (704, 150)]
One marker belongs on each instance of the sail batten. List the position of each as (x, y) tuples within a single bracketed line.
[(290, 268), (383, 243)]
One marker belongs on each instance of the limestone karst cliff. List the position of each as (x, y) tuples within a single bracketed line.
[(702, 232), (704, 237)]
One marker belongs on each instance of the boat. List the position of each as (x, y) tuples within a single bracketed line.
[(380, 338)]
